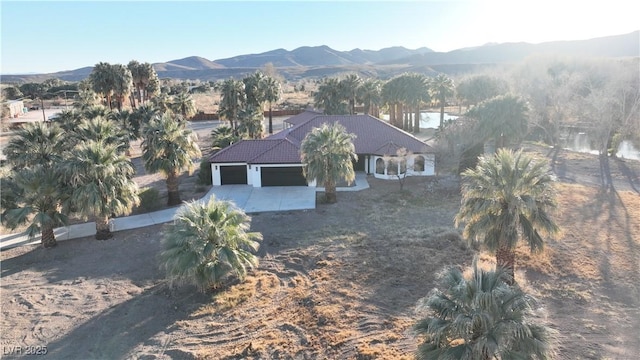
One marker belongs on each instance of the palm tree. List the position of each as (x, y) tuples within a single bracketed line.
[(501, 119), (95, 111), (105, 131), (207, 243), (223, 136), (271, 92), (442, 88), (253, 86), (123, 83), (481, 317), (393, 92), (331, 97), (102, 80), (231, 101), (250, 119), (369, 94), (68, 120), (40, 198), (142, 75), (162, 102), (183, 104), (507, 196), (350, 86), (169, 148), (36, 144), (328, 154), (102, 181), (417, 94)]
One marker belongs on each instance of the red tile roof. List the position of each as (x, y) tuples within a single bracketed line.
[(373, 136), (371, 133), (303, 117)]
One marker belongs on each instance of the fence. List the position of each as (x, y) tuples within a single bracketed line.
[(214, 116)]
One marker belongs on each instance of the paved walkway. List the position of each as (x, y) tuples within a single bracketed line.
[(246, 197)]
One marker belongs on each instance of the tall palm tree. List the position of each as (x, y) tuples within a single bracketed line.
[(102, 80), (183, 104), (253, 88), (481, 317), (507, 196), (169, 148), (142, 75), (416, 94), (36, 144), (271, 92), (350, 86), (231, 101), (209, 242), (123, 83), (102, 181), (442, 88), (369, 94), (328, 154), (503, 118), (393, 94), (331, 97), (40, 198)]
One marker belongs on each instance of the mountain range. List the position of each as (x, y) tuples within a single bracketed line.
[(320, 61)]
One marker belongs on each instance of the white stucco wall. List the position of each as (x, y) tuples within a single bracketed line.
[(429, 166)]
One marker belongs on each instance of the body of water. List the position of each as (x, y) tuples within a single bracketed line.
[(429, 119), (580, 142)]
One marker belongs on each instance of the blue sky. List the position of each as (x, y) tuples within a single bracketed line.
[(52, 36)]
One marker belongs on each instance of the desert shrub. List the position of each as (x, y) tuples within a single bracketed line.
[(208, 243), (149, 199), (204, 175)]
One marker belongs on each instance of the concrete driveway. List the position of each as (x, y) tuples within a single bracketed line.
[(275, 198)]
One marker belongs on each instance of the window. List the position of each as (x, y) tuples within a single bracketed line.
[(379, 166), (392, 167), (418, 164)]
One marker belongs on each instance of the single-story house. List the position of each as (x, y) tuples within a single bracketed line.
[(276, 161)]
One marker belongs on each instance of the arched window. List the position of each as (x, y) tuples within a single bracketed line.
[(379, 166), (418, 163), (392, 167)]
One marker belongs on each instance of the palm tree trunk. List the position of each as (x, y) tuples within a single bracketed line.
[(399, 115), (330, 191), (416, 120), (441, 113), (172, 189), (48, 237), (270, 120), (102, 228), (392, 113), (506, 259)]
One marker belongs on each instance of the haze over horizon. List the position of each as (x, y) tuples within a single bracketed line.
[(52, 36)]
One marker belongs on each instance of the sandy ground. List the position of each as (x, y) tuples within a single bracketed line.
[(339, 282)]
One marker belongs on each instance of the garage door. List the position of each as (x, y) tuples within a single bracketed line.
[(282, 176), (233, 174)]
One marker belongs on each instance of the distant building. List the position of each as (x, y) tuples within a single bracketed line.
[(16, 108)]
